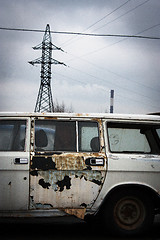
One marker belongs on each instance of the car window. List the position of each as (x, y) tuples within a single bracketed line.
[(53, 135), (88, 137), (12, 135), (158, 132), (134, 138)]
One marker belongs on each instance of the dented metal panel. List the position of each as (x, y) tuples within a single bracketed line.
[(67, 180)]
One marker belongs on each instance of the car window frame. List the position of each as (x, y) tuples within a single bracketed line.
[(77, 148), (138, 124)]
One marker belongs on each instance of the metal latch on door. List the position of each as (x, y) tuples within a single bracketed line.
[(94, 161), (21, 161)]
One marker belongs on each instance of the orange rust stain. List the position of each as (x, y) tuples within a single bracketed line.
[(69, 161), (51, 118), (97, 120), (74, 161), (82, 115), (79, 115), (78, 212)]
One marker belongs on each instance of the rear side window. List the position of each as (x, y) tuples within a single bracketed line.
[(12, 135), (133, 138), (55, 135)]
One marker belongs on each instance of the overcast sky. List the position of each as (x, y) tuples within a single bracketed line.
[(95, 65)]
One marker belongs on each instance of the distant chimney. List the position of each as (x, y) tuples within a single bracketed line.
[(111, 100)]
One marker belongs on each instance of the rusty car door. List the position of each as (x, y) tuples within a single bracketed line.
[(14, 163), (68, 163)]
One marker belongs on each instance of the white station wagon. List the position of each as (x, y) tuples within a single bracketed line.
[(104, 165)]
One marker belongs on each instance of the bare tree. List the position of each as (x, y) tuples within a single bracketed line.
[(61, 107)]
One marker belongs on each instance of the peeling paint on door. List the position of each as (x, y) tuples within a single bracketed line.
[(64, 189), (67, 180)]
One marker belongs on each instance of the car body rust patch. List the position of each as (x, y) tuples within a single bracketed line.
[(64, 161), (78, 212), (65, 181)]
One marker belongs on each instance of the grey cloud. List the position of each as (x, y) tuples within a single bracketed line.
[(136, 62)]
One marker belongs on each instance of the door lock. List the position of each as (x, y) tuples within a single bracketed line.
[(21, 161)]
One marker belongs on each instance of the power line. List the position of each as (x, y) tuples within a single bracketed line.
[(114, 73), (126, 36), (117, 85), (104, 89), (131, 10), (93, 24), (81, 33), (156, 25), (124, 39), (107, 35), (93, 64), (107, 15)]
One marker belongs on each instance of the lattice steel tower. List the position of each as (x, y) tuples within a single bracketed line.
[(44, 101)]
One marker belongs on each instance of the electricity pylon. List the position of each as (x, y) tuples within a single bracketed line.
[(44, 101)]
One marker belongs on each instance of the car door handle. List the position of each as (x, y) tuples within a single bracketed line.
[(21, 161), (94, 161)]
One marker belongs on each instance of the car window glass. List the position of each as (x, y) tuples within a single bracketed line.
[(53, 135), (136, 138), (128, 140), (12, 135), (88, 137), (158, 132)]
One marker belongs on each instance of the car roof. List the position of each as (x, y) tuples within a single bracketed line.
[(83, 115)]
